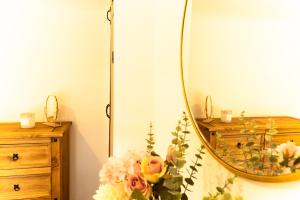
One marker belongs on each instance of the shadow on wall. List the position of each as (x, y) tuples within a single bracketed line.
[(83, 174)]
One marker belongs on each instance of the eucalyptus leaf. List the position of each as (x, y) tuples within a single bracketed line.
[(178, 128), (231, 180), (227, 196), (173, 183), (184, 197), (273, 159), (189, 181), (221, 190), (137, 195), (254, 159), (198, 156), (154, 154), (175, 141), (285, 162), (180, 163), (249, 144), (297, 161), (194, 168), (174, 134), (166, 194)]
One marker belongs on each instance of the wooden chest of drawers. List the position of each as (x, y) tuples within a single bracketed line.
[(34, 163), (288, 130)]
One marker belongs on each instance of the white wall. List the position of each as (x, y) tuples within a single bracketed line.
[(59, 47), (245, 58), (156, 70), (133, 73)]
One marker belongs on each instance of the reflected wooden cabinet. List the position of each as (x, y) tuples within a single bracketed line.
[(34, 163), (288, 130)]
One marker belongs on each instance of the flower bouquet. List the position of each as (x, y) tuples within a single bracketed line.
[(146, 175)]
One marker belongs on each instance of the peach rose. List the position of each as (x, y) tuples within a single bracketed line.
[(171, 158), (287, 150), (153, 168), (136, 182)]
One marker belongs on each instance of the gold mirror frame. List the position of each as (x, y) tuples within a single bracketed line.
[(273, 179)]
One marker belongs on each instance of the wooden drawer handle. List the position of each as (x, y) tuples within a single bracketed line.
[(17, 187), (15, 157), (239, 145)]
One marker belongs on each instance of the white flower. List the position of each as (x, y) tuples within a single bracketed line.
[(111, 192), (286, 170), (112, 172), (116, 170), (132, 162)]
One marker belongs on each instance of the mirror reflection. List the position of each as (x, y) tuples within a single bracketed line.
[(242, 82)]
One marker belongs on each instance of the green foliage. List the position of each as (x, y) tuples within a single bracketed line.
[(251, 151), (189, 181), (173, 183), (258, 154), (137, 195), (166, 194), (150, 140), (297, 161), (173, 186), (271, 131), (169, 188), (273, 159), (223, 192), (257, 158), (180, 141)]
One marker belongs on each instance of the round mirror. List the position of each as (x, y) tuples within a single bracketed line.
[(241, 84)]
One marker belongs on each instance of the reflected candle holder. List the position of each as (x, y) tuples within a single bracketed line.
[(226, 116), (27, 120)]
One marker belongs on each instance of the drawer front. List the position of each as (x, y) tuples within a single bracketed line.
[(230, 148), (234, 143), (25, 187), (283, 138), (25, 156)]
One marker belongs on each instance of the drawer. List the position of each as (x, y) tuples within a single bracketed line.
[(283, 138), (25, 156), (25, 187), (234, 143)]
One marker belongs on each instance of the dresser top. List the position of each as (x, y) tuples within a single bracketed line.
[(281, 122), (13, 130)]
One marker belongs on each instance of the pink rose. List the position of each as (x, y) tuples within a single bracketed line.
[(136, 182), (171, 158), (153, 168)]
